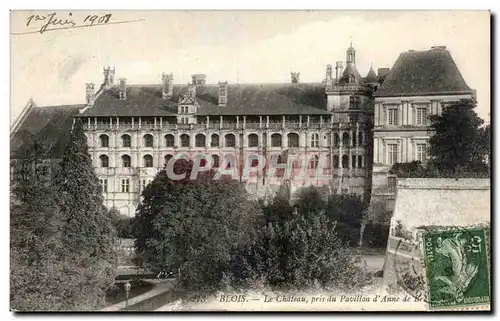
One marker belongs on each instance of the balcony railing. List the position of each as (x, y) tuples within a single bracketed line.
[(225, 125)]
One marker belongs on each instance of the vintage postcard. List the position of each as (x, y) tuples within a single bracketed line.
[(250, 161)]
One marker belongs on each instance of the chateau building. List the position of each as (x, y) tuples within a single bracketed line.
[(420, 84), (345, 127)]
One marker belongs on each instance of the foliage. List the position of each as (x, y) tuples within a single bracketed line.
[(195, 226), (347, 211), (61, 246), (459, 144), (302, 249), (122, 223)]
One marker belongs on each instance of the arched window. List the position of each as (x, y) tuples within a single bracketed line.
[(276, 140), (328, 139), (253, 140), (335, 161), (315, 140), (199, 140), (354, 139), (345, 140), (360, 139), (293, 140), (148, 140), (313, 163), (147, 161), (345, 161), (360, 161), (216, 160), (230, 140), (215, 141), (104, 160), (353, 161), (336, 139), (126, 141), (126, 161), (168, 157), (104, 140), (169, 140), (184, 140), (352, 79)]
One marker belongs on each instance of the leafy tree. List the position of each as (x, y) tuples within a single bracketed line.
[(458, 143), (194, 226), (305, 250), (122, 223), (35, 221), (347, 211)]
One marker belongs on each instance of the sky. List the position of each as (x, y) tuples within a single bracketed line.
[(238, 46)]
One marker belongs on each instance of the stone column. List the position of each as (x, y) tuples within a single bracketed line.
[(376, 115), (375, 150), (208, 122), (237, 121), (139, 122), (95, 122), (283, 121), (400, 116), (117, 123), (300, 121), (220, 120), (132, 122), (244, 121), (267, 121), (308, 120), (260, 121)]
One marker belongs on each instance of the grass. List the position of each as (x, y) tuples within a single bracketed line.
[(117, 293)]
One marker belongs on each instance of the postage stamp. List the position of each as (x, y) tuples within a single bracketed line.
[(457, 268)]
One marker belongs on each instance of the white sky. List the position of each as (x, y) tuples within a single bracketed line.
[(52, 68)]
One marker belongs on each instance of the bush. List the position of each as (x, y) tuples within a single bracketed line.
[(301, 250)]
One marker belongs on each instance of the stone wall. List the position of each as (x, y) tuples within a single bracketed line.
[(424, 202)]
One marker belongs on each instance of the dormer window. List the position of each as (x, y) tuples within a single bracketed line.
[(352, 79)]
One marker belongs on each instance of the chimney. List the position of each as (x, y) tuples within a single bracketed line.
[(328, 72), (89, 93), (338, 70), (295, 77), (222, 93), (168, 86), (438, 48), (192, 91), (109, 77), (123, 88), (198, 79)]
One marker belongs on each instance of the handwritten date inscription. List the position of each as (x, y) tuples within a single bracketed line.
[(53, 22)]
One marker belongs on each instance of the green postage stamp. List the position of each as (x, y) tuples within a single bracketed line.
[(458, 267)]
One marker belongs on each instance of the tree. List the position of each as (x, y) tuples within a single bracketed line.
[(458, 143), (87, 235), (305, 250), (194, 226), (35, 221)]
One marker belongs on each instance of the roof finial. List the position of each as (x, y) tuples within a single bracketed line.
[(351, 41)]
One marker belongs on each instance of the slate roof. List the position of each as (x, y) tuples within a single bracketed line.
[(418, 73), (371, 77), (350, 69), (51, 125), (243, 99)]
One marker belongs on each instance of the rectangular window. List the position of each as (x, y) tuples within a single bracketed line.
[(392, 117), (422, 152), (392, 154), (104, 185), (421, 116), (125, 185), (143, 185), (391, 183)]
